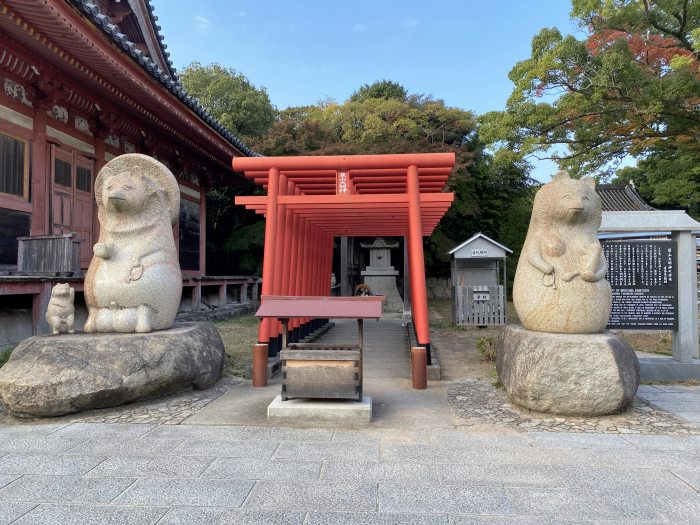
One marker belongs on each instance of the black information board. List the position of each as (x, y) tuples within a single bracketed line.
[(643, 278)]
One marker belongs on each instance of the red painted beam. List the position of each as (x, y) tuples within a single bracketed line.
[(345, 162)]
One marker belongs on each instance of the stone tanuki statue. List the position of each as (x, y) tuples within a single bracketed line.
[(132, 287), (60, 314), (134, 283), (560, 284), (561, 360)]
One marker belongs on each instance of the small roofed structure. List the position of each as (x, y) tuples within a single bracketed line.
[(478, 294)]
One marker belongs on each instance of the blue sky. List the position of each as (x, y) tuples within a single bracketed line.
[(306, 51)]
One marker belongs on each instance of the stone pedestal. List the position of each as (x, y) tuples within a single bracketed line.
[(380, 275), (56, 375), (568, 374)]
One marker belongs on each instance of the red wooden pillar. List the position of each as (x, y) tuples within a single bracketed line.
[(416, 261), (279, 263), (203, 233), (269, 248), (41, 175), (100, 153), (305, 265), (288, 240), (293, 288)]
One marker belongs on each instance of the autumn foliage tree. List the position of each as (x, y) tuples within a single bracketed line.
[(629, 88)]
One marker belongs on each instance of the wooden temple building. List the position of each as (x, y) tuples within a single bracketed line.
[(80, 83)]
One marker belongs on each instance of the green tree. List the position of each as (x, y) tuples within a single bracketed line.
[(385, 89), (484, 190), (631, 87), (245, 110), (230, 97)]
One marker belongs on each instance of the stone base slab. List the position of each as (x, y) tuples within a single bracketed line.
[(341, 411), (663, 369), (57, 375), (568, 374)]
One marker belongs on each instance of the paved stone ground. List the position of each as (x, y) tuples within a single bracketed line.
[(95, 473), (423, 461)]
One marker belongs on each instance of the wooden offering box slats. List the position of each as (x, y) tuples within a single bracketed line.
[(315, 370), (318, 370)]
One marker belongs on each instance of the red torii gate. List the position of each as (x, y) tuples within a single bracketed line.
[(310, 200)]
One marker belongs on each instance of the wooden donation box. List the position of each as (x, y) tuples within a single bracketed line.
[(319, 370)]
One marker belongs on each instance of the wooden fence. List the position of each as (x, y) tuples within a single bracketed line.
[(478, 305)]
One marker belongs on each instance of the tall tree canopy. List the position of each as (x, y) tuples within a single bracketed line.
[(245, 110), (631, 87), (384, 118), (385, 89), (230, 97)]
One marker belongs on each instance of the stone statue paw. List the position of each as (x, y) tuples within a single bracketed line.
[(568, 276), (101, 250), (589, 276)]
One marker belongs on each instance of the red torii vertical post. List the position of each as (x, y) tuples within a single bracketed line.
[(419, 300), (265, 331)]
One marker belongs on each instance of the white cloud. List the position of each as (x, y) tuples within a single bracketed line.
[(202, 24)]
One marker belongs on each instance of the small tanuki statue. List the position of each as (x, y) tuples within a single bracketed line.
[(560, 284), (134, 283), (60, 314)]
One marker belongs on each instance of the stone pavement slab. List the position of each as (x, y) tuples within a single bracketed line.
[(186, 491), (379, 471), (9, 511), (238, 449), (262, 469), (152, 467), (48, 463), (64, 489), (114, 446), (367, 518), (91, 515), (316, 495), (433, 499), (229, 516)]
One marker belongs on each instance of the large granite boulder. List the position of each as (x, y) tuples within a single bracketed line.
[(60, 374), (568, 374)]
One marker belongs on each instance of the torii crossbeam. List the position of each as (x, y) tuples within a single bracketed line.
[(310, 200)]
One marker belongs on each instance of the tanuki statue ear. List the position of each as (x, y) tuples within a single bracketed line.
[(590, 181), (561, 174)]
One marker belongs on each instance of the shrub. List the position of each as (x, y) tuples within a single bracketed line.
[(5, 352), (487, 348)]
